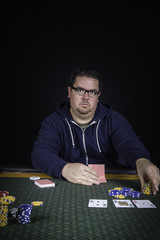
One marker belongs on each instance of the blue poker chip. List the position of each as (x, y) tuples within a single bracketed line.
[(25, 206), (114, 192), (111, 193), (125, 193), (134, 194), (126, 189), (24, 213), (23, 219)]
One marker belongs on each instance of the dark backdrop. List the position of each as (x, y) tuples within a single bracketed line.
[(39, 51)]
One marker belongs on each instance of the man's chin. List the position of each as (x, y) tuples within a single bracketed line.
[(84, 111)]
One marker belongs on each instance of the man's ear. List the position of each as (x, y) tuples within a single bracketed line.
[(99, 96), (69, 92)]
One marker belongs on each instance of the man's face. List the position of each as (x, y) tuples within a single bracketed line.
[(83, 107)]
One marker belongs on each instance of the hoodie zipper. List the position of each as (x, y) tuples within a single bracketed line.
[(84, 145), (83, 138)]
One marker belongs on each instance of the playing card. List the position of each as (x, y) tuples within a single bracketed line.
[(97, 203), (100, 170), (123, 203), (143, 203)]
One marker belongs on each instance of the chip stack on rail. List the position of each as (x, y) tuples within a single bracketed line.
[(24, 213), (120, 192)]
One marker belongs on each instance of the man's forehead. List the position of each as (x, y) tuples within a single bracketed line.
[(86, 81)]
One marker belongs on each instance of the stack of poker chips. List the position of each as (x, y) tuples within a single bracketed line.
[(147, 188), (120, 192), (24, 213), (4, 202)]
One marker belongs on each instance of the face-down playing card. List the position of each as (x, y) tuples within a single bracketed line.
[(100, 170)]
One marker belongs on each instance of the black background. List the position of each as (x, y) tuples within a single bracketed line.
[(40, 49)]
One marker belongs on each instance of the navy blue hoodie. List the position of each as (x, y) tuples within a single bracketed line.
[(108, 139)]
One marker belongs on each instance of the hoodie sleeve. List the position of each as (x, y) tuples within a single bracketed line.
[(125, 140), (46, 148)]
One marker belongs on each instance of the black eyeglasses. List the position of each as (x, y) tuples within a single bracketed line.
[(81, 91)]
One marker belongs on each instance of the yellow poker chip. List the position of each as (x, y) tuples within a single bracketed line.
[(147, 192), (7, 200), (117, 188), (116, 196), (37, 203), (119, 196), (147, 188)]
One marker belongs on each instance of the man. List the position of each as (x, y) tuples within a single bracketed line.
[(84, 131)]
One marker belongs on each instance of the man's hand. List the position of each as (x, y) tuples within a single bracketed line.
[(80, 173), (146, 169)]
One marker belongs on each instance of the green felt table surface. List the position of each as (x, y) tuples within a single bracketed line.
[(65, 213)]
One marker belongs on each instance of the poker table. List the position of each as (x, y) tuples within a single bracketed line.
[(65, 213)]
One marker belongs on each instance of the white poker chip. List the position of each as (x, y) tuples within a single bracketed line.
[(34, 178)]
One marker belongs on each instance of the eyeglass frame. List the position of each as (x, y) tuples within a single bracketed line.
[(88, 91)]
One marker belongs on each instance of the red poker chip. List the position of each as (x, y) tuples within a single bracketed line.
[(3, 193)]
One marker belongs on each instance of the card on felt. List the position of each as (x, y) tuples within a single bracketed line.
[(123, 203), (97, 203), (143, 204), (100, 170), (43, 183)]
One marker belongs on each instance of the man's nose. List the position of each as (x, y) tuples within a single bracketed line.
[(86, 95)]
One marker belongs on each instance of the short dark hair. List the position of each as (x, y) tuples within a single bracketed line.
[(85, 72)]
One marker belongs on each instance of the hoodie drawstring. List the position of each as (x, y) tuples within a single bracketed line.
[(73, 144), (97, 136)]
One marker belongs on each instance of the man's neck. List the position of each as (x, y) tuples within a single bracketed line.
[(82, 119), (83, 125)]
